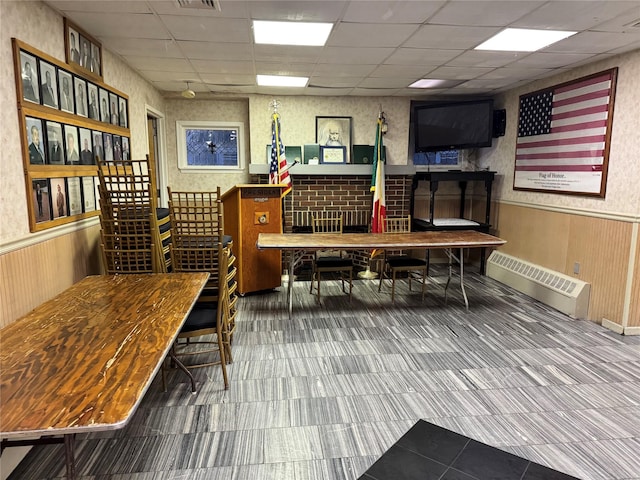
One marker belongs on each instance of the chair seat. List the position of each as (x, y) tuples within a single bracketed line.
[(333, 262), (405, 261), (201, 317)]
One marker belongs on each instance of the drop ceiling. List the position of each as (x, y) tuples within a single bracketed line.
[(376, 48)]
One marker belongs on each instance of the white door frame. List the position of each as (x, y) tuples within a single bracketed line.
[(162, 174)]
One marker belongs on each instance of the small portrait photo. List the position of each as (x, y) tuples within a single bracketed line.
[(49, 85), (334, 132), (88, 194), (29, 74), (96, 60), (74, 196), (94, 104), (54, 143), (126, 155), (96, 186), (105, 116), (86, 150), (71, 145), (117, 147), (74, 49), (98, 148), (113, 105), (85, 53), (41, 199), (108, 146), (35, 139), (65, 82), (122, 112), (80, 87), (58, 197)]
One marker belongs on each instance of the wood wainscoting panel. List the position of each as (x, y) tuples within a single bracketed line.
[(634, 307), (31, 275), (601, 247)]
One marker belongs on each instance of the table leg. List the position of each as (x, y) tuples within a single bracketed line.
[(69, 444), (181, 366), (464, 294), (292, 264), (450, 255)]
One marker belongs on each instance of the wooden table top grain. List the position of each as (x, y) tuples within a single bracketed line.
[(83, 360), (357, 241)]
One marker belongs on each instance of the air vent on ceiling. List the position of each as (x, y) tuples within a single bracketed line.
[(202, 4)]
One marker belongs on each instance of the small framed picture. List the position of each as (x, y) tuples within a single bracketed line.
[(58, 197), (88, 194), (65, 82), (334, 132), (126, 155), (86, 150), (93, 111), (71, 145), (105, 116), (98, 145), (333, 154), (29, 76), (117, 147), (83, 52), (54, 143), (35, 141), (48, 84), (41, 199), (74, 196), (80, 88), (113, 106), (122, 112), (107, 140)]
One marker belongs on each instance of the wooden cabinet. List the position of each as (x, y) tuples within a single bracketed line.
[(248, 211)]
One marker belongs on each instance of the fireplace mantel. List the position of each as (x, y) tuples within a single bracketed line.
[(337, 170)]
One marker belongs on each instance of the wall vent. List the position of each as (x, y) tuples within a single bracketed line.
[(567, 294), (201, 4)]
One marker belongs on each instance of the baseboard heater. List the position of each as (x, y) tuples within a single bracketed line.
[(564, 293)]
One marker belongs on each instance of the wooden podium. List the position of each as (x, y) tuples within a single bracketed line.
[(248, 211)]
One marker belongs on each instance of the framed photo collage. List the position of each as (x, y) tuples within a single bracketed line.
[(69, 118)]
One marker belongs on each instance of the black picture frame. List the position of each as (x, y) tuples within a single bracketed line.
[(80, 91), (83, 52), (55, 143), (333, 154), (30, 79), (123, 112), (107, 140), (35, 141), (58, 189), (71, 145), (105, 115), (98, 145), (48, 84), (113, 108), (86, 147), (41, 200), (335, 132), (65, 89), (93, 109)]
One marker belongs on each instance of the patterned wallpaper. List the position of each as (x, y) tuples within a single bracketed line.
[(622, 193), (42, 28)]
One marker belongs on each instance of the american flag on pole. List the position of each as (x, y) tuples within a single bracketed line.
[(563, 134), (278, 169), (377, 184)]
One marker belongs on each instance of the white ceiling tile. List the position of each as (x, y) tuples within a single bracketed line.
[(622, 23), (291, 69), (373, 92), (628, 48), (169, 86), (516, 73), (165, 76), (331, 81), (228, 79), (453, 38), (233, 9), (421, 56), (298, 11), (208, 29), (481, 58), (550, 60), (217, 66), (369, 35), (329, 92), (131, 25), (158, 63), (284, 53), (104, 6), (483, 13), (407, 71), (458, 73), (391, 11), (141, 47), (354, 55), (397, 82), (216, 51), (343, 70), (574, 15), (594, 42)]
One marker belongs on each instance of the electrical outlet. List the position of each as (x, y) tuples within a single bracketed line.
[(576, 268)]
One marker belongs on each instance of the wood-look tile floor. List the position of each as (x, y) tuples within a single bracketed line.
[(324, 394)]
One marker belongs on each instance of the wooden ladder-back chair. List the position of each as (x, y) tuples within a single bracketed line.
[(209, 316), (392, 264), (325, 261), (130, 234)]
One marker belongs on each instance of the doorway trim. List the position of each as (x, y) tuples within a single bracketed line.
[(162, 174)]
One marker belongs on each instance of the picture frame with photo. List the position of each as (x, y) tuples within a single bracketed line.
[(74, 196), (71, 143), (35, 141), (80, 90), (107, 140), (98, 145), (113, 107), (55, 145), (86, 150), (58, 197), (65, 84), (88, 194), (41, 200), (117, 147), (48, 84), (82, 51), (105, 115), (29, 78), (335, 132), (126, 153), (93, 109), (123, 113)]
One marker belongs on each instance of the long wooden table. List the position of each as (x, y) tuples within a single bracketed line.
[(83, 361), (299, 243)]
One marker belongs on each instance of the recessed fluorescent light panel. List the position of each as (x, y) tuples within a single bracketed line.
[(281, 81), (435, 83), (523, 40), (291, 33)]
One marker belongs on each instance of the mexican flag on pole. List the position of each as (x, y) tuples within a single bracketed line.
[(377, 186)]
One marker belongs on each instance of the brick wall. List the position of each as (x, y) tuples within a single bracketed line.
[(348, 194)]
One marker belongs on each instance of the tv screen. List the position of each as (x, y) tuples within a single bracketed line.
[(447, 126)]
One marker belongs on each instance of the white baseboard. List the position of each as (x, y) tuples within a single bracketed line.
[(613, 326), (632, 331)]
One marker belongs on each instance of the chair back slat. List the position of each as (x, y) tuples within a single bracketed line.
[(330, 222), (398, 224)]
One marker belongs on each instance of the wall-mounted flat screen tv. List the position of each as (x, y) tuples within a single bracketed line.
[(455, 125)]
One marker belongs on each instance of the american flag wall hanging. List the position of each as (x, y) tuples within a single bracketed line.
[(564, 134)]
